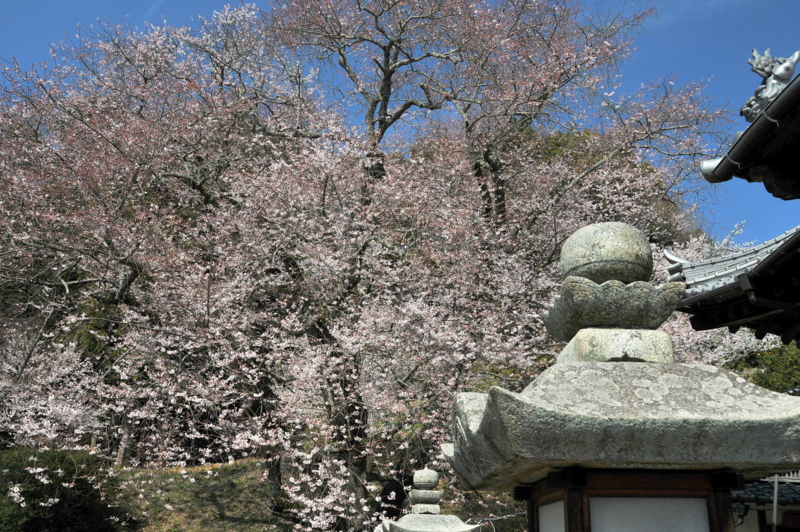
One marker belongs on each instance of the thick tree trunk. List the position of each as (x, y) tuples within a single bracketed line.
[(375, 166), (488, 171), (347, 415), (124, 442)]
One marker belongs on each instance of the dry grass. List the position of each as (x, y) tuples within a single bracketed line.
[(218, 498), (237, 498)]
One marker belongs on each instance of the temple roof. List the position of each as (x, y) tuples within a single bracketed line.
[(767, 150), (758, 288), (761, 493)]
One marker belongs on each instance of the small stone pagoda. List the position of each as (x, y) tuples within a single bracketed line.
[(616, 403), (425, 513)]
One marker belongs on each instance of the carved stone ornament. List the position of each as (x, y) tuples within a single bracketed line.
[(605, 267), (777, 73), (583, 303), (627, 415)]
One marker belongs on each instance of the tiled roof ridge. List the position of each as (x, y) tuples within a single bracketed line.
[(761, 492), (705, 275)]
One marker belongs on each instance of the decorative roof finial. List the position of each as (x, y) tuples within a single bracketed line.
[(777, 73)]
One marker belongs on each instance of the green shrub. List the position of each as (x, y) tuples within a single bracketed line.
[(53, 491), (777, 369)]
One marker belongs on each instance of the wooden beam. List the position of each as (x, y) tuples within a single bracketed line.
[(576, 510)]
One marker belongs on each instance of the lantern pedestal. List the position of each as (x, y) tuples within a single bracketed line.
[(579, 500)]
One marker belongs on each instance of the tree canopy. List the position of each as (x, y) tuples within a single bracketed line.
[(297, 232)]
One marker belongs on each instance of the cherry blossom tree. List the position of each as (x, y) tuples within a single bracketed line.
[(195, 266), (385, 55)]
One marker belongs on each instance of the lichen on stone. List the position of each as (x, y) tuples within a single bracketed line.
[(583, 303)]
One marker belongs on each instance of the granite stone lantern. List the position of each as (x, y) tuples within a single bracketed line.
[(616, 435)]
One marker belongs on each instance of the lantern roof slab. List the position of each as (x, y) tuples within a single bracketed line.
[(623, 415)]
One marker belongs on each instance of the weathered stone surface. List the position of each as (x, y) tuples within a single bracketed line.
[(619, 345), (429, 523), (425, 496), (426, 509), (426, 479), (582, 303), (623, 415), (607, 251)]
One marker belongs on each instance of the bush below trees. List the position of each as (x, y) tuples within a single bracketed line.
[(776, 369), (56, 491)]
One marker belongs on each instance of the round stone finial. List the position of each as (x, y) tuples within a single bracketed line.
[(607, 251), (426, 479)]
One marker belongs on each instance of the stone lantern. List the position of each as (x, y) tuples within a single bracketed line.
[(616, 435)]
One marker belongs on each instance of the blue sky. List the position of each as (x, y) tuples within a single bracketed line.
[(711, 41), (708, 40)]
